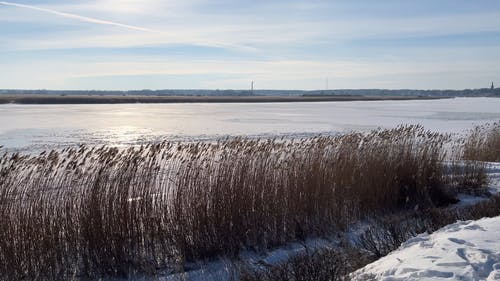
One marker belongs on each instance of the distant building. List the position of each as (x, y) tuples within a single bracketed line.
[(492, 86)]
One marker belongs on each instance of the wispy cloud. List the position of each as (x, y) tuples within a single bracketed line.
[(280, 44), (76, 17)]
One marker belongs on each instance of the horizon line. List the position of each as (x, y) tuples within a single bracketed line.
[(242, 89)]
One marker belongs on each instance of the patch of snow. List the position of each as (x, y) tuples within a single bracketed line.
[(469, 200), (493, 171), (226, 269), (466, 250)]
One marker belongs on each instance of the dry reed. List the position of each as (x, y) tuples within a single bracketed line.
[(483, 143), (102, 211), (383, 235)]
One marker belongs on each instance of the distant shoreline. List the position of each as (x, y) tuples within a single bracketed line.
[(124, 99)]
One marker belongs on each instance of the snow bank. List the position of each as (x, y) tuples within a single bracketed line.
[(467, 250)]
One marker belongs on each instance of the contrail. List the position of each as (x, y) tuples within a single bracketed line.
[(76, 17)]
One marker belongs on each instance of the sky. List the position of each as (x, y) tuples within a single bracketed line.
[(226, 44)]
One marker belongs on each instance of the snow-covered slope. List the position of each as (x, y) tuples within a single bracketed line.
[(467, 250)]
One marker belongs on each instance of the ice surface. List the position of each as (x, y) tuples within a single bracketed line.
[(26, 127)]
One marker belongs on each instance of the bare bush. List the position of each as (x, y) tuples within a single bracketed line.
[(322, 264), (385, 234)]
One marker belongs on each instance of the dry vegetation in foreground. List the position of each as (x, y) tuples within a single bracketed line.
[(329, 264), (483, 143), (384, 234), (89, 212)]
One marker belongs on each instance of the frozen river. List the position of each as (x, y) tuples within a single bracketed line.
[(35, 127)]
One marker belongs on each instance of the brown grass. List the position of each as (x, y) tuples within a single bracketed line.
[(103, 211), (120, 99), (483, 143), (386, 233), (383, 235)]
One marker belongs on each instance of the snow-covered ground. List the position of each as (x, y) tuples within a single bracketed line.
[(466, 250), (225, 269), (493, 172)]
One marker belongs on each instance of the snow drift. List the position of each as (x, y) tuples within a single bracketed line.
[(466, 250)]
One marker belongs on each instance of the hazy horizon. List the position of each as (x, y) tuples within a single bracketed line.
[(239, 89), (221, 44)]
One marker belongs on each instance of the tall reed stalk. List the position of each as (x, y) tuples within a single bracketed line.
[(103, 211), (483, 143)]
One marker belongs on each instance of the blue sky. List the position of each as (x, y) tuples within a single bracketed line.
[(225, 44)]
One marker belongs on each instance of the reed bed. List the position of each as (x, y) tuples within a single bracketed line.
[(483, 143), (88, 212)]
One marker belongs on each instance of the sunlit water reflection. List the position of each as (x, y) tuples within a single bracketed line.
[(37, 127)]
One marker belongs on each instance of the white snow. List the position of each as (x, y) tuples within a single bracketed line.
[(466, 250), (225, 269), (493, 171)]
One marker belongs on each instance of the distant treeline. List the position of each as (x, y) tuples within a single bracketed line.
[(484, 92), (341, 92)]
